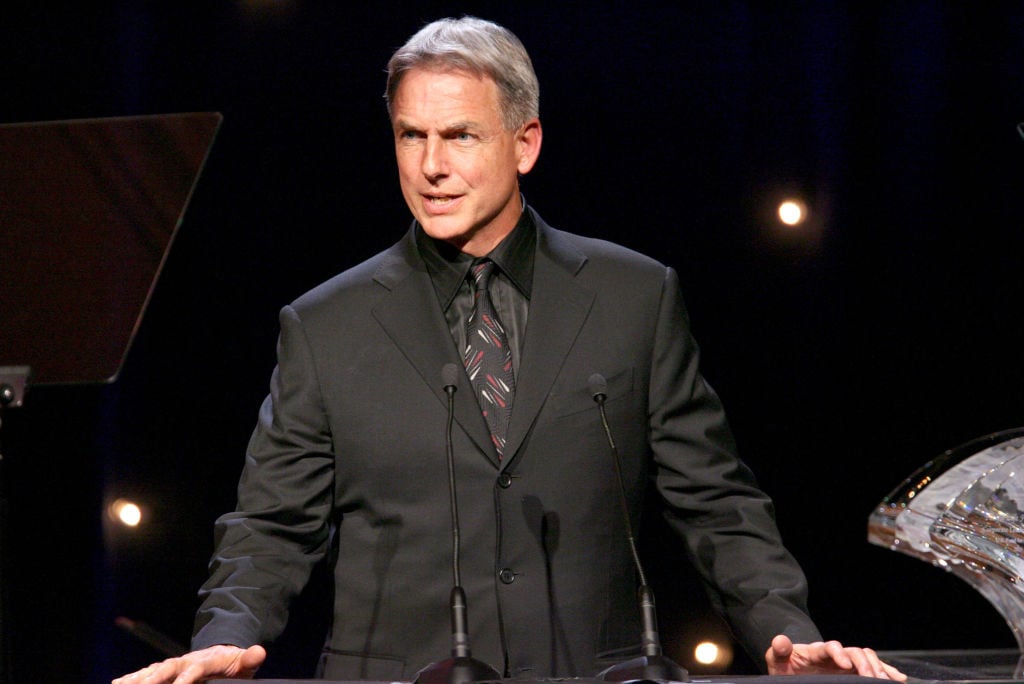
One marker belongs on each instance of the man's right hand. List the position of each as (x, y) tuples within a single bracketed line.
[(225, 662)]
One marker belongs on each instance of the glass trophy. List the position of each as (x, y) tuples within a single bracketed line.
[(964, 512)]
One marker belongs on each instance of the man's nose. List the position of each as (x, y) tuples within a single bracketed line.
[(435, 163)]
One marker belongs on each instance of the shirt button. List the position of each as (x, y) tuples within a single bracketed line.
[(507, 576), (504, 480)]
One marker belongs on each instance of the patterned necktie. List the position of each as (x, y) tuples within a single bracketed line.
[(487, 357)]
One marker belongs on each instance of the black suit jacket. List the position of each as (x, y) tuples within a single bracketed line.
[(348, 462)]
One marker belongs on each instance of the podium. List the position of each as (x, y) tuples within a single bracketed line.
[(717, 679)]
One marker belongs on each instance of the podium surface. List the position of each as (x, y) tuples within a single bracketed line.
[(694, 679)]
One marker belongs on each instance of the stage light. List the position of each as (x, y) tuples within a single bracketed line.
[(706, 653), (712, 655), (125, 512), (792, 212)]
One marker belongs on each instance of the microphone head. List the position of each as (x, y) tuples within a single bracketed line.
[(598, 386), (450, 375)]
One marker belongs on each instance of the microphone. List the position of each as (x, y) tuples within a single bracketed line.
[(462, 667), (651, 665)]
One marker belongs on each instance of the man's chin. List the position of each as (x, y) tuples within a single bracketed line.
[(473, 239), (448, 231)]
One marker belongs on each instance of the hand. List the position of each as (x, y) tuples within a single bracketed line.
[(828, 657), (228, 662)]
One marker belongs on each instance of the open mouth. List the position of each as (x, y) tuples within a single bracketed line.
[(440, 201)]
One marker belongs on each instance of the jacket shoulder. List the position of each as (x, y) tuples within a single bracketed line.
[(364, 282), (590, 257)]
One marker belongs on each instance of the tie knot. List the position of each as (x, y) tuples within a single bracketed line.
[(481, 270)]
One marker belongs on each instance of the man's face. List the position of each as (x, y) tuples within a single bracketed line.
[(457, 164)]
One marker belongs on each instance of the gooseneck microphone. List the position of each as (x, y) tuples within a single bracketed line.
[(651, 665), (461, 668)]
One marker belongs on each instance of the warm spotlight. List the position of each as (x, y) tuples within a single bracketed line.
[(706, 653), (792, 212), (125, 512), (712, 655)]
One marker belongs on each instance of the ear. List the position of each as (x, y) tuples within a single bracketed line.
[(528, 144)]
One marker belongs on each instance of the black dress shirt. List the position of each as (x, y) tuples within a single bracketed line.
[(509, 286)]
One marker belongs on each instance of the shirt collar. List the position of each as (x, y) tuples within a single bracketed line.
[(448, 266)]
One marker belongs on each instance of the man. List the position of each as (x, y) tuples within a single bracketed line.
[(347, 461)]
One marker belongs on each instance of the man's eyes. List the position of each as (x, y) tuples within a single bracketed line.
[(457, 136)]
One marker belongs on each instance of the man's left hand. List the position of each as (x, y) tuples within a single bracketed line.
[(826, 657)]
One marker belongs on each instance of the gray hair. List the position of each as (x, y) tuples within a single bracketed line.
[(481, 48)]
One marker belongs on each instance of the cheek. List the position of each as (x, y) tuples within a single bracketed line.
[(492, 173), (405, 166)]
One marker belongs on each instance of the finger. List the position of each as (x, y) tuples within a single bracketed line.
[(860, 663), (156, 674), (893, 673), (193, 673), (835, 652), (877, 666), (782, 647), (252, 658), (880, 669)]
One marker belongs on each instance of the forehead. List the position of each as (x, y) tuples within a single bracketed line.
[(450, 94)]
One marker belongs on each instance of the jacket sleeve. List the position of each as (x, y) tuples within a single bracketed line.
[(712, 500), (266, 549)]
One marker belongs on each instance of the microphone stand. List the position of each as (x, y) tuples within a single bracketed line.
[(651, 665), (462, 667)]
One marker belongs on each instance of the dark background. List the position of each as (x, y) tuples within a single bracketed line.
[(848, 351)]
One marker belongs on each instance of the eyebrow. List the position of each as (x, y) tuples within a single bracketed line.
[(454, 127), (461, 126)]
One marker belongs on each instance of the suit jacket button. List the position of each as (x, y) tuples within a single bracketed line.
[(507, 576), (504, 480)]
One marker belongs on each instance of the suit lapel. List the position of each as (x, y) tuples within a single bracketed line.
[(558, 309), (412, 318)]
